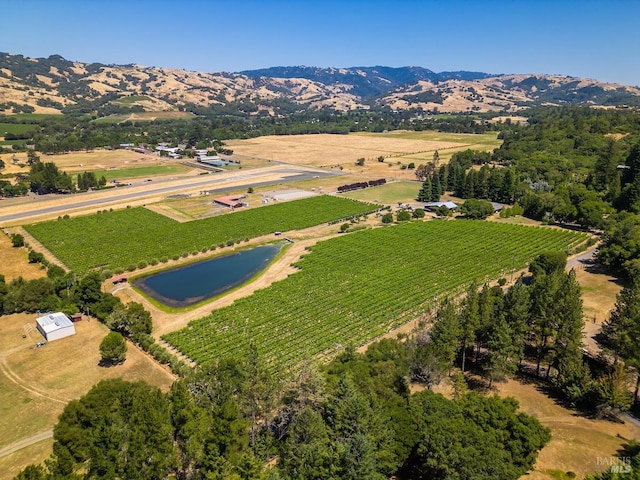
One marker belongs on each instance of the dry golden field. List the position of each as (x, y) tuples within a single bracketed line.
[(14, 262), (340, 152), (74, 162), (577, 441), (36, 383)]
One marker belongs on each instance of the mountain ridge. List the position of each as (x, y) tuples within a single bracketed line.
[(54, 85)]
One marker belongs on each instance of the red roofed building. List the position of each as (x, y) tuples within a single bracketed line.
[(231, 201)]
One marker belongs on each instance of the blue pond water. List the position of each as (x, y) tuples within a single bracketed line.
[(185, 286)]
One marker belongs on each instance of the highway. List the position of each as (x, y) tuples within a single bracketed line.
[(205, 183)]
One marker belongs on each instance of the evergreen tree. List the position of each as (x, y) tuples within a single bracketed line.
[(567, 341), (469, 184), (469, 321), (543, 315), (307, 452), (426, 192), (445, 335), (516, 308), (503, 354), (435, 189), (507, 191), (113, 348), (621, 331), (443, 174)]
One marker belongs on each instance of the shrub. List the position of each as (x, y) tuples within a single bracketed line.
[(418, 213), (175, 257), (113, 348), (387, 217), (131, 268), (105, 273), (153, 262), (344, 227), (403, 216), (17, 240), (164, 259), (35, 257), (185, 254), (142, 264)]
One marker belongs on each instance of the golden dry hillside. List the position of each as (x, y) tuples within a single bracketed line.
[(48, 85)]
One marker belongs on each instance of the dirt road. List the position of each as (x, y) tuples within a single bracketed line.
[(14, 447)]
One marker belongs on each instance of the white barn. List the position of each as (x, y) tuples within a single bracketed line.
[(55, 326)]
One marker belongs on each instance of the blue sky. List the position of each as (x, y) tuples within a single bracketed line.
[(588, 38)]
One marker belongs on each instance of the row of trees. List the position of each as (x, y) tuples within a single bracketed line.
[(497, 330), (489, 183), (562, 166), (534, 327)]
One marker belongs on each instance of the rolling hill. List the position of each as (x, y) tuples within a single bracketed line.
[(54, 84)]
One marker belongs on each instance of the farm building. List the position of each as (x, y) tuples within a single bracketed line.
[(431, 205), (55, 326), (119, 279), (212, 160), (231, 201)]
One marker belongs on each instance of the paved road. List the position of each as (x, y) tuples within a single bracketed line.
[(207, 184), (585, 258), (14, 447)]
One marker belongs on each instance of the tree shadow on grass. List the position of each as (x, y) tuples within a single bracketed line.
[(105, 363)]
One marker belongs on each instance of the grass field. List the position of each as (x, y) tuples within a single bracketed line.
[(142, 171), (388, 194), (145, 117), (13, 142), (356, 287), (17, 128), (34, 117), (123, 238)]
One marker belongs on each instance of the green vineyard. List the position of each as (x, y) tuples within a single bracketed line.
[(124, 238), (354, 288)]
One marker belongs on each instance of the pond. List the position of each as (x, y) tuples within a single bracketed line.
[(191, 284)]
